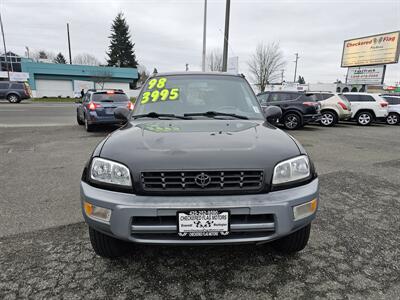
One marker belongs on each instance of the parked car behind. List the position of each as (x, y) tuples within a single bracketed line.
[(367, 108), (14, 91), (334, 107), (298, 109), (393, 117), (97, 107)]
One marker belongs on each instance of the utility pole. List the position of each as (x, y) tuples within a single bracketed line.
[(69, 46), (203, 62), (5, 48), (226, 37), (27, 51), (282, 72), (295, 68)]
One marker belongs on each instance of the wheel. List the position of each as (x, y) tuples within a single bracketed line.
[(13, 98), (392, 119), (88, 127), (292, 121), (294, 242), (80, 122), (364, 118), (107, 246), (328, 118)]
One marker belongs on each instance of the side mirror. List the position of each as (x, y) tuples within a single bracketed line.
[(272, 113), (122, 113)]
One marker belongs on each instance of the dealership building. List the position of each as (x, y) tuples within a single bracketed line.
[(65, 80)]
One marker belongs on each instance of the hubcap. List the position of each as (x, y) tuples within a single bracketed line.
[(13, 99), (291, 121), (392, 119), (364, 119), (327, 119)]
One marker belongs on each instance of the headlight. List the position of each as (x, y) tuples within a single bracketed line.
[(291, 170), (107, 171)]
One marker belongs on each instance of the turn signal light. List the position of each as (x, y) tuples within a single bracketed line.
[(344, 106), (304, 210), (97, 212)]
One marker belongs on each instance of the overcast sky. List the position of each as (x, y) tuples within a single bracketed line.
[(168, 34)]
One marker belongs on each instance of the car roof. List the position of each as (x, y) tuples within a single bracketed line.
[(291, 92), (358, 93), (195, 73)]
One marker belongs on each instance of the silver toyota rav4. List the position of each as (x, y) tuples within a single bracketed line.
[(198, 162)]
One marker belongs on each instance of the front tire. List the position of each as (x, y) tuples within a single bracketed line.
[(107, 246), (292, 121), (364, 118), (13, 98), (294, 242), (393, 119), (328, 118)]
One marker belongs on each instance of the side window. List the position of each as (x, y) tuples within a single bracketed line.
[(326, 96), (352, 98), (86, 98), (291, 96), (366, 98), (262, 98), (274, 97), (16, 86), (3, 86)]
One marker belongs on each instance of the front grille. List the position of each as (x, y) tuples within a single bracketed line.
[(202, 181), (164, 228)]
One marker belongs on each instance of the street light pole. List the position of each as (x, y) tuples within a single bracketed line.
[(226, 37), (69, 45), (295, 68), (5, 48), (203, 62)]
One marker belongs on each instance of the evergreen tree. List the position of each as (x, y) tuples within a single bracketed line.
[(60, 59), (121, 52)]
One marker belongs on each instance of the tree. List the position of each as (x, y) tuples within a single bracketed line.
[(301, 80), (214, 61), (265, 64), (60, 59), (143, 75), (42, 56), (121, 52), (86, 59)]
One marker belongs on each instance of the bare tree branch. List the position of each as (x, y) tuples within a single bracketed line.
[(101, 77), (86, 59), (265, 64), (214, 60)]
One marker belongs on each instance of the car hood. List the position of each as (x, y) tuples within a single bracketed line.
[(199, 144)]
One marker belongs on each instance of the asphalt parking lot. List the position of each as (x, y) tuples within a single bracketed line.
[(45, 252)]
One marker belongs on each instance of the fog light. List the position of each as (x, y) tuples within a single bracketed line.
[(97, 212), (304, 210)]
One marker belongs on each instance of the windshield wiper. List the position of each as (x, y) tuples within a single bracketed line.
[(212, 114), (157, 115)]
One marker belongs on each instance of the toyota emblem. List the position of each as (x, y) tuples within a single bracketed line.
[(202, 180)]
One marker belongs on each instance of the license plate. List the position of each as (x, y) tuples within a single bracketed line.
[(200, 223), (109, 111)]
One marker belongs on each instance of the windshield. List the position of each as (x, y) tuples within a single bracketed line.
[(104, 96), (185, 94)]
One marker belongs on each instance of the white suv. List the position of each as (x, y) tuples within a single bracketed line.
[(366, 108), (393, 117)]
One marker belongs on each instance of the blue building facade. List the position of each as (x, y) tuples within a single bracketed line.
[(65, 80)]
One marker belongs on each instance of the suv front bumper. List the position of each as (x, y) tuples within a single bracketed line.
[(277, 206)]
